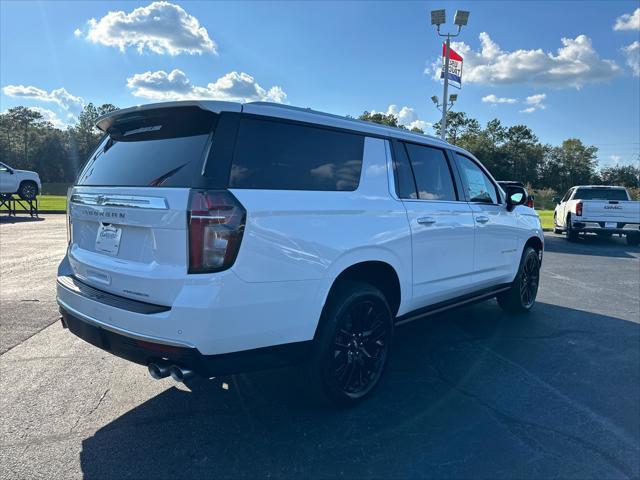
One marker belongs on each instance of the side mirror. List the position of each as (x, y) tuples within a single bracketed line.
[(515, 196), (556, 200)]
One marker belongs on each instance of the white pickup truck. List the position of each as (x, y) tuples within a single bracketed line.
[(603, 210), (23, 182)]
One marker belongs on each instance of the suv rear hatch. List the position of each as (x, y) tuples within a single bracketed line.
[(128, 213)]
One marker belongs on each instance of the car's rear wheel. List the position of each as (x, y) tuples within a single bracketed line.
[(28, 190), (572, 234), (352, 345), (633, 239), (521, 297)]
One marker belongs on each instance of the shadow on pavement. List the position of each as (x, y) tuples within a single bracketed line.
[(591, 245), (4, 218), (472, 393)]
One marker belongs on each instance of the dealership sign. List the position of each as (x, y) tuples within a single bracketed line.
[(455, 66)]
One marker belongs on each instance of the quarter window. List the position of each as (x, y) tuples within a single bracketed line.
[(285, 156), (405, 183), (478, 185), (432, 173)]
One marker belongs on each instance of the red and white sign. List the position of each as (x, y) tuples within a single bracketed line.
[(455, 66)]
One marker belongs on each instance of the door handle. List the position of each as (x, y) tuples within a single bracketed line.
[(426, 220), (482, 219)]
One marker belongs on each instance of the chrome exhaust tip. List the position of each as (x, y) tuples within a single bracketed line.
[(180, 374), (158, 371)]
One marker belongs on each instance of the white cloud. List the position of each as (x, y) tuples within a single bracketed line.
[(50, 116), (628, 21), (615, 159), (160, 27), (632, 53), (234, 86), (494, 99), (407, 117), (536, 103), (421, 124), (77, 32), (536, 100), (58, 96), (575, 64)]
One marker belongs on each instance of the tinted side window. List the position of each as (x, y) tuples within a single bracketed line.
[(405, 183), (567, 195), (478, 185), (431, 170), (284, 156)]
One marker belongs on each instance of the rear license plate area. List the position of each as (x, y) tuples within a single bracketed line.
[(108, 239)]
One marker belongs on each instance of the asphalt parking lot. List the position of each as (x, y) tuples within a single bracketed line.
[(472, 393)]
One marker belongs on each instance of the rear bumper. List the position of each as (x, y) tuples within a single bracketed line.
[(599, 227), (218, 314), (143, 351)]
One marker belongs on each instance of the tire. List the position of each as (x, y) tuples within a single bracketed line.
[(352, 344), (556, 228), (633, 239), (521, 297), (28, 190), (572, 235)]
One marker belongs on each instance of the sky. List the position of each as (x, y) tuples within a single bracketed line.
[(565, 69)]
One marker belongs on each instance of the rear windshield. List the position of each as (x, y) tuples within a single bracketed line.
[(601, 194), (158, 148)]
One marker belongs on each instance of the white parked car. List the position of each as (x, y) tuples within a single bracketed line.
[(23, 182), (599, 209), (218, 238)]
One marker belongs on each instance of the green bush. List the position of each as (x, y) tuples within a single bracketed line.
[(55, 188)]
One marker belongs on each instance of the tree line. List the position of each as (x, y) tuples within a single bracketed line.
[(515, 153), (29, 141)]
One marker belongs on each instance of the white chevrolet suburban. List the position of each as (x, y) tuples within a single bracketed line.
[(599, 209), (214, 238), (23, 182)]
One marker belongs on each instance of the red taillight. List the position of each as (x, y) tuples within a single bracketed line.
[(530, 202), (579, 209), (216, 223)]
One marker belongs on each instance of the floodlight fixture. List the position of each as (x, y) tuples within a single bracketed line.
[(438, 17), (434, 99), (461, 18), (453, 97)]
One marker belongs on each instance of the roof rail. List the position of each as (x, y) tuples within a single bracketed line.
[(340, 117)]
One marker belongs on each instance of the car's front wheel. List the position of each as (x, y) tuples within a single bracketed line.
[(28, 190), (352, 345), (556, 228), (521, 297)]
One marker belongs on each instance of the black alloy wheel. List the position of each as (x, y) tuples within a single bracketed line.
[(353, 343), (521, 296), (360, 347), (529, 280)]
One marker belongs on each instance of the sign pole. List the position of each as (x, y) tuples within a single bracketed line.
[(443, 123)]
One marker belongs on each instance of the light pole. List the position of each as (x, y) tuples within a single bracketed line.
[(438, 17)]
